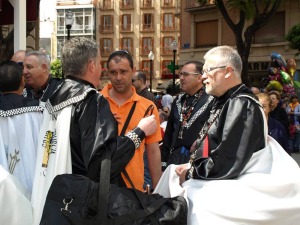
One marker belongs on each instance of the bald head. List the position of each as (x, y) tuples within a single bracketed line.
[(19, 56)]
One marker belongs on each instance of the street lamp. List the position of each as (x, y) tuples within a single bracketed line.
[(151, 57), (69, 22), (174, 48)]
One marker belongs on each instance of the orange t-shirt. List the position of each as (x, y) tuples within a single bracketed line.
[(135, 168)]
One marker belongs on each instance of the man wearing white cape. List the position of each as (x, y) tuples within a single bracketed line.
[(237, 175), (78, 126), (20, 121)]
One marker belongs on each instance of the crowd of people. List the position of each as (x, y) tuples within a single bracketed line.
[(212, 130)]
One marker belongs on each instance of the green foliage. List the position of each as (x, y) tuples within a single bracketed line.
[(293, 37), (56, 69)]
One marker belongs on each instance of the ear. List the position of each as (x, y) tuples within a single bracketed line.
[(44, 67), (91, 66), (229, 71)]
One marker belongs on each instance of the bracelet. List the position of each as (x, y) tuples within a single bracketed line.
[(135, 138)]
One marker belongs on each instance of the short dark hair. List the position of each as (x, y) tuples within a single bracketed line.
[(198, 65), (142, 76), (10, 76), (120, 54)]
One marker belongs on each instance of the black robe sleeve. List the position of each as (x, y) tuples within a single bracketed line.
[(233, 138), (93, 131)]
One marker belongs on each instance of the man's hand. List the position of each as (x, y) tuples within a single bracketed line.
[(181, 171), (148, 125)]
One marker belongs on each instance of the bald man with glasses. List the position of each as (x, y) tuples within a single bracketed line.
[(189, 112)]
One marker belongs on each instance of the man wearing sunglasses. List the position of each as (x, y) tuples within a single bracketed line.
[(189, 112)]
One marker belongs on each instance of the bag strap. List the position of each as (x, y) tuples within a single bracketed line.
[(141, 213), (128, 119), (104, 180)]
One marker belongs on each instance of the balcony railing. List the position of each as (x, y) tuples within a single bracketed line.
[(106, 28), (167, 51), (126, 4), (73, 2), (190, 4), (106, 5), (167, 3), (147, 4), (265, 40), (145, 51), (168, 28), (126, 27), (148, 27), (106, 51)]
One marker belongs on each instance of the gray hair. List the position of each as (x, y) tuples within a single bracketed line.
[(42, 58), (76, 54), (227, 55)]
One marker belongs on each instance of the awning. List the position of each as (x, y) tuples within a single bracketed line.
[(7, 12), (166, 83)]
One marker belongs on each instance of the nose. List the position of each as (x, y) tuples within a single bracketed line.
[(204, 75)]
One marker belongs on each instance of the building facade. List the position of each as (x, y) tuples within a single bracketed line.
[(140, 26), (203, 27)]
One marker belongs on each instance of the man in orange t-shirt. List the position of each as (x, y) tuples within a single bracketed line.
[(121, 96)]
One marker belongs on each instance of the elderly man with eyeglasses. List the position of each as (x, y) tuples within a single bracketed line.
[(189, 112), (234, 161)]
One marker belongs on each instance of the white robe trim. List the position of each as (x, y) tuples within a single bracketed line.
[(266, 192), (54, 153)]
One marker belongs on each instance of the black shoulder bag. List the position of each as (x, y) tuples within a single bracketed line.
[(77, 200)]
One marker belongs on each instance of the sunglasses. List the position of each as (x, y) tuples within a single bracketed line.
[(21, 64)]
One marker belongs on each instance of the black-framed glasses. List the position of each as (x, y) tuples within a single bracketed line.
[(21, 65), (133, 80), (185, 74), (209, 69)]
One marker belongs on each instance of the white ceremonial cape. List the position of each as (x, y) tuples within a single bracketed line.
[(15, 207), (266, 193), (54, 155), (18, 143)]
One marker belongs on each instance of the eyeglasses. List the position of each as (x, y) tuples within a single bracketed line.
[(133, 80), (120, 51), (209, 69), (185, 74), (21, 65)]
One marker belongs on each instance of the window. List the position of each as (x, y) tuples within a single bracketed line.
[(145, 67), (210, 36), (106, 46), (126, 22), (127, 44), (165, 64), (273, 31), (168, 21), (147, 3), (107, 23), (83, 21), (148, 21), (126, 4), (167, 2), (147, 45), (107, 4), (104, 69), (166, 48), (60, 22)]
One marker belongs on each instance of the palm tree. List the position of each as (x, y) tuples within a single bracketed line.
[(259, 12)]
